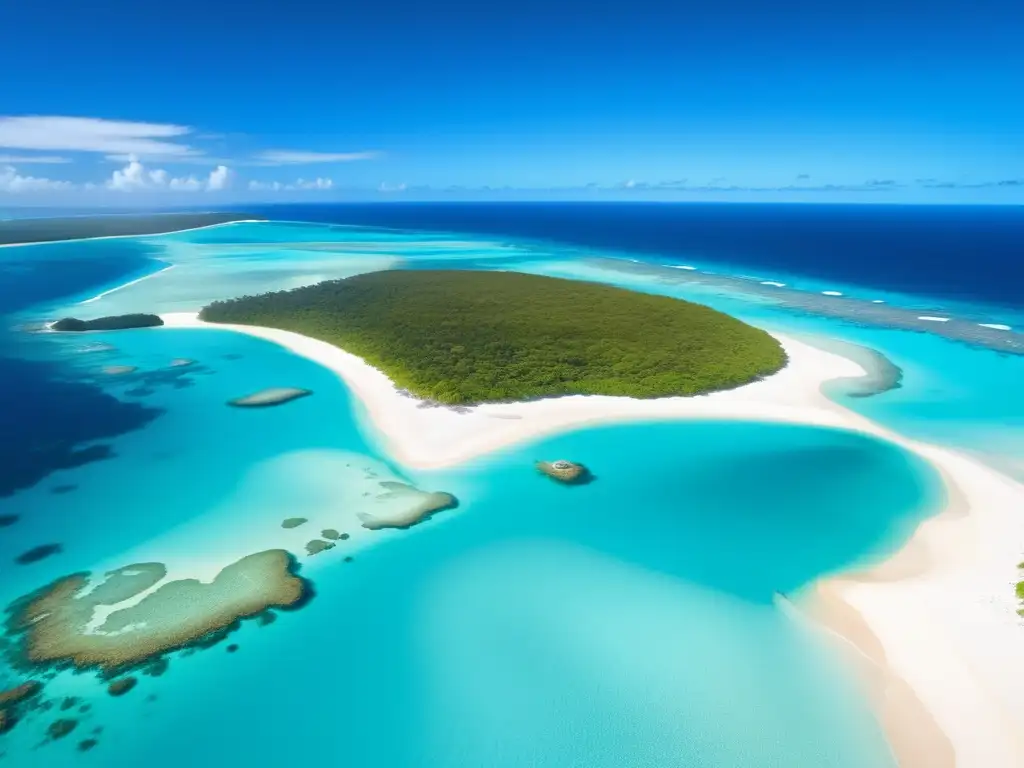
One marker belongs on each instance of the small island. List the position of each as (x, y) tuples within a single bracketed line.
[(109, 323), (470, 336), (268, 397), (564, 471)]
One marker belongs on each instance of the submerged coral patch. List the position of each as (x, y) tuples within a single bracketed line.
[(403, 505), (56, 623)]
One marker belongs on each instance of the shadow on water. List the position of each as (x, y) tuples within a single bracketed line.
[(52, 423)]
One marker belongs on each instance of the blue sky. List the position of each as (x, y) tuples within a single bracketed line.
[(113, 102)]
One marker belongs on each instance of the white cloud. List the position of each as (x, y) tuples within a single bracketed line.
[(317, 183), (298, 157), (298, 185), (385, 187), (11, 181), (92, 134), (219, 178), (135, 177), (186, 184), (33, 159)]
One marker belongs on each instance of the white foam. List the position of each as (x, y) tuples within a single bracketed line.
[(832, 293), (933, 319), (877, 301), (99, 296), (680, 266), (773, 283), (996, 326)]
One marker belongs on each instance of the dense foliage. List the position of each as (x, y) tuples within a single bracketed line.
[(473, 336), (110, 323)]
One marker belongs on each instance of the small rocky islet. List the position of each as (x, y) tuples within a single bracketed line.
[(564, 471)]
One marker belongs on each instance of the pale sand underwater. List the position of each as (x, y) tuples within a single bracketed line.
[(936, 623)]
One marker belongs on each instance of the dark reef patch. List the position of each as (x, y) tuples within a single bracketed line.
[(86, 744), (36, 554), (316, 546), (8, 520), (122, 686), (60, 728), (56, 422), (157, 667)]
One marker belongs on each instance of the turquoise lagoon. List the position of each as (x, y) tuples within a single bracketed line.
[(633, 621)]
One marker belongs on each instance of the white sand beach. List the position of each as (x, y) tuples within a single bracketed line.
[(934, 627)]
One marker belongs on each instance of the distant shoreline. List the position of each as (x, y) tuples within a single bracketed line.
[(24, 232), (932, 629)]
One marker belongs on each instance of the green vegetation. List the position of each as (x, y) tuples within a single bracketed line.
[(51, 230), (110, 323), (473, 336)]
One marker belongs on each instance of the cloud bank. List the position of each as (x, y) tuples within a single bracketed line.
[(135, 177), (297, 185), (11, 181)]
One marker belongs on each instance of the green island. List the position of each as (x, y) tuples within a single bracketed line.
[(109, 323), (43, 230), (470, 336)]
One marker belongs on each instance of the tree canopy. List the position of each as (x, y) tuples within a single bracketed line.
[(470, 336), (109, 323)]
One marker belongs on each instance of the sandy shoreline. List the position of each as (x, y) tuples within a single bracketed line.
[(934, 626)]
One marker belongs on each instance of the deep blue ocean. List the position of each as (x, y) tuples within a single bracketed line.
[(966, 253), (632, 621)]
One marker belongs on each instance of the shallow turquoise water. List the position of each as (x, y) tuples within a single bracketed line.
[(629, 621), (633, 621)]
